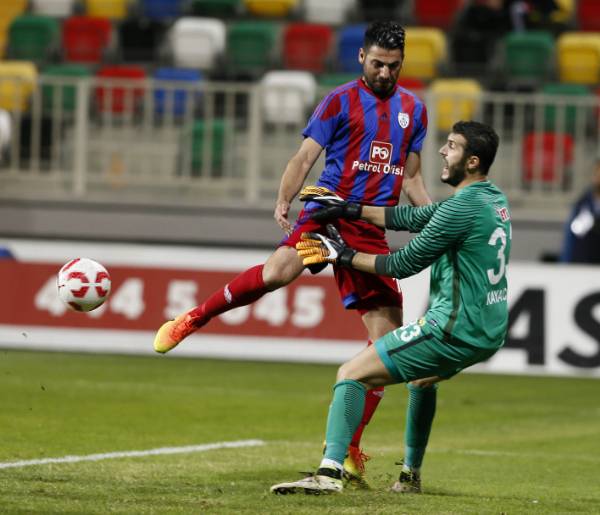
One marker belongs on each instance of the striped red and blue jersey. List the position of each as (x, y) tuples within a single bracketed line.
[(367, 140)]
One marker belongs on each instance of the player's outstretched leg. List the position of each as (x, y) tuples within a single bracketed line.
[(246, 288), (419, 418)]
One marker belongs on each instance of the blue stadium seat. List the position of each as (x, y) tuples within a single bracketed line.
[(175, 99), (350, 39), (161, 9)]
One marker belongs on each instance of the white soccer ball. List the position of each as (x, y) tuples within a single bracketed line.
[(83, 284)]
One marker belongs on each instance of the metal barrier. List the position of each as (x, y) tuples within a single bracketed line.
[(90, 139)]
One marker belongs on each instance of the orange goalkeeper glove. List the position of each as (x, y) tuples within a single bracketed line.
[(334, 206), (314, 248)]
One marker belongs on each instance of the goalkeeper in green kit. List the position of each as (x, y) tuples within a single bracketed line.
[(466, 239)]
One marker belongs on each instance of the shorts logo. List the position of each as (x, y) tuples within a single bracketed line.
[(227, 293), (403, 120), (380, 152)]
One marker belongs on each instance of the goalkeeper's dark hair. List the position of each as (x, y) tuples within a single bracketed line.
[(385, 34), (482, 141)]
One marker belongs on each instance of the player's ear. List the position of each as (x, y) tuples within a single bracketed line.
[(473, 163), (361, 55)]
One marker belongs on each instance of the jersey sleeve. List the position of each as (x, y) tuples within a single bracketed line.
[(409, 218), (324, 121), (418, 137), (448, 226)]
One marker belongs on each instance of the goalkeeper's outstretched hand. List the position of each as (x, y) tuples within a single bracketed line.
[(334, 206), (314, 248)]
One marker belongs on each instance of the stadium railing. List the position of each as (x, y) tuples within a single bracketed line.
[(209, 143)]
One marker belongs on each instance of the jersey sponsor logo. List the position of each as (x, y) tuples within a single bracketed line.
[(380, 152), (496, 296), (403, 120), (503, 214)]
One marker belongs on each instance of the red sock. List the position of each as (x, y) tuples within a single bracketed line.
[(244, 289), (372, 400)]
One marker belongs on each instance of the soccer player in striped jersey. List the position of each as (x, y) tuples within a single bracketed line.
[(466, 239), (372, 132)]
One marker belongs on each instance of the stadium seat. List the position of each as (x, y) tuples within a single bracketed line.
[(86, 39), (547, 157), (332, 12), (9, 9), (214, 134), (528, 56), (371, 10), (114, 9), (65, 93), (33, 38), (55, 8), (350, 40), (115, 92), (140, 39), (17, 82), (307, 46), (161, 9), (270, 8), (425, 51), (565, 117), (433, 13), (287, 95), (565, 12), (333, 80), (197, 42), (588, 15), (215, 8), (170, 99), (455, 99), (411, 84), (250, 46), (579, 57)]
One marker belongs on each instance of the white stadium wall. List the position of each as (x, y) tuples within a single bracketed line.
[(554, 323)]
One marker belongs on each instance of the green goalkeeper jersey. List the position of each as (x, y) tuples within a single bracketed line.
[(466, 239)]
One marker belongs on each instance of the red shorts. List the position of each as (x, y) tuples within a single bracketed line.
[(358, 290)]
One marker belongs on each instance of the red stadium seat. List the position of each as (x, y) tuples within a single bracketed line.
[(307, 46), (85, 38), (588, 15), (547, 156), (412, 84), (119, 98), (434, 13)]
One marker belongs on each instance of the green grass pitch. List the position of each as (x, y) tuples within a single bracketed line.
[(500, 444)]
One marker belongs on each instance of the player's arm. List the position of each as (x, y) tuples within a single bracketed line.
[(293, 178), (412, 184)]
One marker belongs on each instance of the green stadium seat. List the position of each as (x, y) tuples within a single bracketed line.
[(216, 137), (333, 80), (250, 46), (570, 113), (51, 89), (33, 38), (528, 55), (215, 8)]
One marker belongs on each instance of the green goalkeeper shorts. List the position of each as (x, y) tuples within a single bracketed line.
[(418, 350)]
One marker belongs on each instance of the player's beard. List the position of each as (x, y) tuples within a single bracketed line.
[(379, 88), (456, 173)]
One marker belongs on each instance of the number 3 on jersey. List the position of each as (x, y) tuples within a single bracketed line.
[(493, 276)]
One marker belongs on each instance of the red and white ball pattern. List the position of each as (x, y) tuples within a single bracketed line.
[(83, 284)]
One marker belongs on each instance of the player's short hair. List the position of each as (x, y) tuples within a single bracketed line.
[(482, 141), (385, 34)]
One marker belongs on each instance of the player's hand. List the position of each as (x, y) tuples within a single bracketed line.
[(334, 206), (281, 216), (314, 248)]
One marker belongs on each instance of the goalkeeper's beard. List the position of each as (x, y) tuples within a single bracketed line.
[(453, 175)]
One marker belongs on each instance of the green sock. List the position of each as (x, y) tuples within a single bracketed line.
[(345, 414), (419, 418)]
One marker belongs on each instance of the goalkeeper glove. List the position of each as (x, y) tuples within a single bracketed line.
[(334, 206), (314, 248)]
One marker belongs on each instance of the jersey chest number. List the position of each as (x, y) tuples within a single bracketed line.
[(495, 276)]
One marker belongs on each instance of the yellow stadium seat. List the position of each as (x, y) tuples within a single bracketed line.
[(579, 57), (270, 8), (17, 81), (11, 8), (115, 9), (565, 11), (455, 99), (425, 49)]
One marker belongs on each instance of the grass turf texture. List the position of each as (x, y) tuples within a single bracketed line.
[(499, 443)]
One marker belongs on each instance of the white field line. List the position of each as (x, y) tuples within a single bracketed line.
[(135, 454)]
